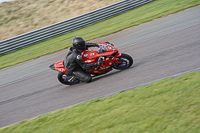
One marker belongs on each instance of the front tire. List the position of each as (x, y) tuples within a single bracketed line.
[(67, 79), (125, 60)]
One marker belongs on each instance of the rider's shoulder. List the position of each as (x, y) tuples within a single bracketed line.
[(78, 57), (76, 54)]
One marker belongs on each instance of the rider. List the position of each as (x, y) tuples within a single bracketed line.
[(73, 62)]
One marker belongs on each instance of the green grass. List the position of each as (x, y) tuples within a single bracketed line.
[(131, 18), (167, 106)]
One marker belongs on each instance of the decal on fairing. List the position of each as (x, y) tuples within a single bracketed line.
[(88, 61), (109, 48), (61, 70), (85, 55), (91, 54), (103, 68)]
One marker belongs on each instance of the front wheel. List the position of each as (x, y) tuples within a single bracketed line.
[(125, 60), (67, 79)]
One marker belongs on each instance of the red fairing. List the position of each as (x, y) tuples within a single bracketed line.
[(90, 56), (59, 66)]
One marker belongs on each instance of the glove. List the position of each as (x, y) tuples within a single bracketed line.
[(99, 62)]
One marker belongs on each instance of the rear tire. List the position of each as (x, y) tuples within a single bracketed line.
[(125, 60), (64, 78)]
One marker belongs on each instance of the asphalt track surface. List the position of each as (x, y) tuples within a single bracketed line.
[(160, 48)]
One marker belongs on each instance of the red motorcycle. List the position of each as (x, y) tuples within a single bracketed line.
[(107, 52)]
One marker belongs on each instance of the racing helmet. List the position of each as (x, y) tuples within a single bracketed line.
[(79, 43)]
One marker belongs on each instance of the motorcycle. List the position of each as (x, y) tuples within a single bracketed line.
[(107, 52)]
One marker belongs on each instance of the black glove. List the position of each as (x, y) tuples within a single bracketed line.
[(99, 62)]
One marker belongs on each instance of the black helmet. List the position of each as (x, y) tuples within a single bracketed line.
[(78, 43)]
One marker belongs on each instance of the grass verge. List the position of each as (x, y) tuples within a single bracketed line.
[(21, 16), (131, 18), (170, 105)]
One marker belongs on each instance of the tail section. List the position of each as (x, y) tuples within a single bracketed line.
[(58, 66)]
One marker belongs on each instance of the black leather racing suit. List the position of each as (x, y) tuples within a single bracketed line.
[(76, 66)]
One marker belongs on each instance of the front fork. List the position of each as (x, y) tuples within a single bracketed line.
[(118, 55), (116, 61)]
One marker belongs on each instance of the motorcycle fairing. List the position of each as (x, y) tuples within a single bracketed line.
[(59, 66)]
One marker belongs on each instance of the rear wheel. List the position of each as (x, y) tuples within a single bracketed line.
[(125, 60), (67, 79)]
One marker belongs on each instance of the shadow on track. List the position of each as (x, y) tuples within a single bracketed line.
[(111, 73), (96, 78)]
